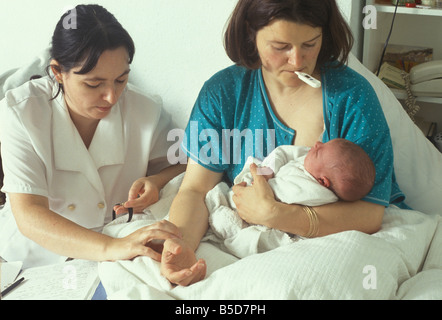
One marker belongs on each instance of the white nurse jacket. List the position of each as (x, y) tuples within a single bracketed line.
[(43, 154)]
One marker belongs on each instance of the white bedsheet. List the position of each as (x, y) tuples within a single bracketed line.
[(347, 265), (427, 285)]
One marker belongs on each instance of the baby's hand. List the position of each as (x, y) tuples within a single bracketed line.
[(266, 172)]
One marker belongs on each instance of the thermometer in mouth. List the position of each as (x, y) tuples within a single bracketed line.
[(308, 79)]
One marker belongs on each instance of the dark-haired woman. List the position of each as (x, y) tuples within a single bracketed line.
[(72, 146), (268, 105)]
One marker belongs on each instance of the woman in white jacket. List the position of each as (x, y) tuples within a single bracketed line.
[(73, 146)]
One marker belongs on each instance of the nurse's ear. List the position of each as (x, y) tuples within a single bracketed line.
[(56, 70)]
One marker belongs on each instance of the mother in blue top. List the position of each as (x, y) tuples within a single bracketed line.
[(260, 103)]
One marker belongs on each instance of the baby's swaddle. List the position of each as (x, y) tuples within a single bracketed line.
[(291, 184)]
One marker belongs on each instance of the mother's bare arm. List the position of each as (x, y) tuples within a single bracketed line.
[(333, 218), (189, 213)]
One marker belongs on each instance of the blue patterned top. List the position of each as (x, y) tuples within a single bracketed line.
[(232, 119)]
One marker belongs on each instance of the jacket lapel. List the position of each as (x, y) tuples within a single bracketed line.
[(70, 153), (107, 147)]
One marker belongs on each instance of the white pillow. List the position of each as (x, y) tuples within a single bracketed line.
[(16, 77), (417, 162)]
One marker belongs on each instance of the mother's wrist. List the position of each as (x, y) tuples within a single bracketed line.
[(288, 218), (274, 216)]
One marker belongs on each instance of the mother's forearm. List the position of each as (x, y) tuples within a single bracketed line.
[(189, 213), (332, 218)]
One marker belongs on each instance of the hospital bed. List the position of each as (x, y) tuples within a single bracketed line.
[(401, 261)]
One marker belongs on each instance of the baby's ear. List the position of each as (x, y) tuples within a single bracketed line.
[(324, 181)]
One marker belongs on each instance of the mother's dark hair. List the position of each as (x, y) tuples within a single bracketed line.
[(250, 16), (95, 31)]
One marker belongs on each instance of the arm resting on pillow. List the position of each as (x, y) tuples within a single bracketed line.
[(333, 218)]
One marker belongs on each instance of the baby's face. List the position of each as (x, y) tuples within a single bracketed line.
[(318, 159)]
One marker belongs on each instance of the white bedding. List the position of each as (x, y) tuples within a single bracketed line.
[(427, 285), (348, 265)]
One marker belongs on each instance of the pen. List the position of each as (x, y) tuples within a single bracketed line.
[(12, 286)]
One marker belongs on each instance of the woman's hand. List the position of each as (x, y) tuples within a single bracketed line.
[(146, 191), (255, 203), (143, 193), (147, 241), (179, 264)]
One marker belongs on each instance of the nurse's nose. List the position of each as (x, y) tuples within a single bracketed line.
[(296, 57), (110, 95)]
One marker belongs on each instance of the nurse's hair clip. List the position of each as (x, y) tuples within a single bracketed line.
[(131, 213)]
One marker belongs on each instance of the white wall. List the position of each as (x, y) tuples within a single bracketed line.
[(179, 42), (352, 10)]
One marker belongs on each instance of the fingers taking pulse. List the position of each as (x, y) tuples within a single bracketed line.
[(120, 209)]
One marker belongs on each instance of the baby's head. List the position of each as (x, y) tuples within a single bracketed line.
[(343, 167)]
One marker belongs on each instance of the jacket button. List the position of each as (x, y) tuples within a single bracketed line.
[(71, 207), (101, 205)]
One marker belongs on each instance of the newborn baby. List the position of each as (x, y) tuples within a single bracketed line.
[(339, 165), (338, 169)]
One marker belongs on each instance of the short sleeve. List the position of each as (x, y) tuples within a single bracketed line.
[(203, 136), (24, 171)]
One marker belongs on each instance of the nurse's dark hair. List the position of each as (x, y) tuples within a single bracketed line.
[(81, 42), (250, 16)]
